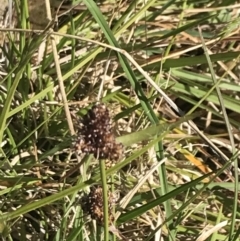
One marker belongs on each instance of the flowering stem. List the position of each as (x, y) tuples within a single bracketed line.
[(105, 198)]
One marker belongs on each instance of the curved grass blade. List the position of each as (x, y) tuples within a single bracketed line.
[(152, 131)]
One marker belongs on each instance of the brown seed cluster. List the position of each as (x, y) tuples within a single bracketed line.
[(96, 135), (92, 204)]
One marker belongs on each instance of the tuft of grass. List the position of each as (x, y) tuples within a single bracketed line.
[(168, 72)]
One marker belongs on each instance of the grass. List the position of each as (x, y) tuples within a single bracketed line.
[(168, 72)]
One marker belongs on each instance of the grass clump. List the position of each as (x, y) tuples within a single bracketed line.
[(133, 105)]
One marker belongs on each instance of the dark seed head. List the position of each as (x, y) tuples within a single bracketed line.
[(92, 204), (96, 135)]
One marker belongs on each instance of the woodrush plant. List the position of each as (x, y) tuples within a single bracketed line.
[(137, 49)]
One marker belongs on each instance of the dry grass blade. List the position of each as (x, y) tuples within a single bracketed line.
[(142, 180), (206, 234), (58, 70)]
